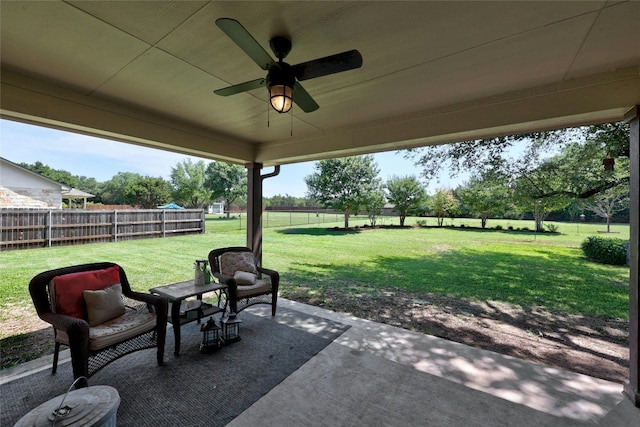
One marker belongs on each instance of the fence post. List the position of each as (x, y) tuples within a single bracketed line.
[(204, 223), (115, 225), (49, 221), (164, 224)]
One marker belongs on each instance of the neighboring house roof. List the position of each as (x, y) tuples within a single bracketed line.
[(64, 187), (11, 199)]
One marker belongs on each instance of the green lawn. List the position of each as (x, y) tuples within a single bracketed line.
[(523, 268)]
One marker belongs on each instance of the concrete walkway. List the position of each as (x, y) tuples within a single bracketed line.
[(380, 375)]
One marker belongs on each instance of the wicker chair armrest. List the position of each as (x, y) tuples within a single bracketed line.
[(273, 275), (225, 279), (63, 322), (146, 298), (155, 303)]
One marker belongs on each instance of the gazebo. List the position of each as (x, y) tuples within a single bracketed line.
[(75, 194)]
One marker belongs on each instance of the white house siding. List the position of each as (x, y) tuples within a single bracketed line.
[(30, 184)]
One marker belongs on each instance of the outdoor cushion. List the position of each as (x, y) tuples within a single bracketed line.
[(104, 304), (261, 286), (230, 262), (244, 278), (68, 289), (130, 324)]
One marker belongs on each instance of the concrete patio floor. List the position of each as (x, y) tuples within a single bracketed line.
[(380, 375)]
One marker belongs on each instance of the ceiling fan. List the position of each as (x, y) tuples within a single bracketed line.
[(283, 80)]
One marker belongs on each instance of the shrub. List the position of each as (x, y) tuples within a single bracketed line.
[(421, 222), (510, 228), (498, 227), (553, 228), (605, 250)]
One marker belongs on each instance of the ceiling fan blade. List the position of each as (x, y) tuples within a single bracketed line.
[(303, 100), (328, 65), (245, 41), (241, 87)]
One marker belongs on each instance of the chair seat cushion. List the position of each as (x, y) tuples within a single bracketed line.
[(130, 324), (260, 287)]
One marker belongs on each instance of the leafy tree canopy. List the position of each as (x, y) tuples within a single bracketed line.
[(226, 181), (188, 180), (406, 194), (147, 192), (343, 184), (58, 175), (581, 152)]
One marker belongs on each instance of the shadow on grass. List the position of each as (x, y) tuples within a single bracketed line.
[(501, 231), (549, 296), (21, 348), (319, 231)]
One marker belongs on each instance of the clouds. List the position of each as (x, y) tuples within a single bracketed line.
[(102, 159), (81, 154)]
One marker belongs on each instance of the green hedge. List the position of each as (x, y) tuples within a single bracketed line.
[(605, 250)]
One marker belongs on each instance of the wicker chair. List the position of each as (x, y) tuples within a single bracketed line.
[(143, 324), (248, 283)]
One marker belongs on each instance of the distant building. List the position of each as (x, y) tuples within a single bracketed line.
[(30, 184), (216, 208)]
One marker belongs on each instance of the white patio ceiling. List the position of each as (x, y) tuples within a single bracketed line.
[(434, 72)]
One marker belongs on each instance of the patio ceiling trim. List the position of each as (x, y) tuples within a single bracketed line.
[(590, 100), (31, 101), (594, 99)]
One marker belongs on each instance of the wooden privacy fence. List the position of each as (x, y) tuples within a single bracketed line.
[(31, 228)]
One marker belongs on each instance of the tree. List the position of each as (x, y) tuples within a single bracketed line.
[(58, 175), (609, 202), (374, 205), (226, 181), (187, 179), (343, 184), (583, 150), (443, 204), (114, 190), (534, 192), (147, 192), (483, 197), (406, 194)]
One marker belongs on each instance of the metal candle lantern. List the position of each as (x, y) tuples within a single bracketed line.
[(230, 328), (210, 336)]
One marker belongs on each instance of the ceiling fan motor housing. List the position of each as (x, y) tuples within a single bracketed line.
[(280, 46), (280, 73)]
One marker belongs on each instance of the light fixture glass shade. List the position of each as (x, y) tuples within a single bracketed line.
[(280, 98)]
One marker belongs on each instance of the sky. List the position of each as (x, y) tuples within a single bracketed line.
[(102, 159)]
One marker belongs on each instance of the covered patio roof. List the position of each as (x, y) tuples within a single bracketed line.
[(433, 73)]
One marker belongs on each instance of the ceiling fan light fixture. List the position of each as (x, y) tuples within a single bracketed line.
[(280, 97), (280, 81)]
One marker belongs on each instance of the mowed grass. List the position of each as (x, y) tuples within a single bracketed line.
[(522, 268)]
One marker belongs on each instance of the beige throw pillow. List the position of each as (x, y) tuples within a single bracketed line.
[(104, 304), (244, 278)]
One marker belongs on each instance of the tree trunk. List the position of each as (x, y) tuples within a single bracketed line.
[(346, 220), (483, 220), (402, 217), (608, 223)]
